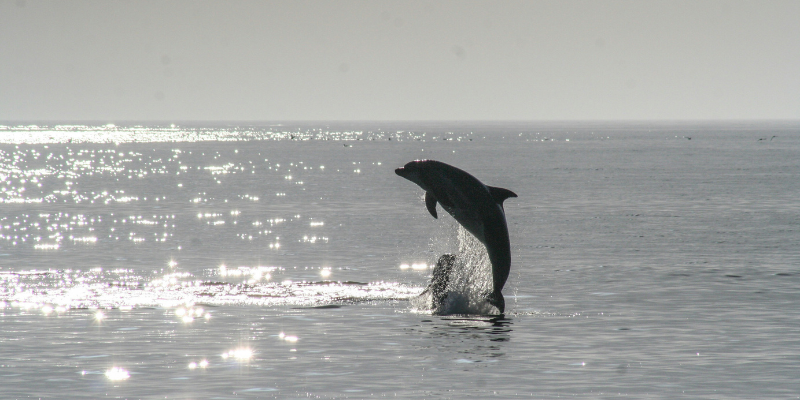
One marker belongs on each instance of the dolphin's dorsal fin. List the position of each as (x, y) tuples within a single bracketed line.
[(500, 194), (430, 203)]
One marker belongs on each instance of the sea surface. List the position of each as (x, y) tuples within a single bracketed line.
[(223, 261)]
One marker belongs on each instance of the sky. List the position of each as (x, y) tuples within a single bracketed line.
[(183, 60)]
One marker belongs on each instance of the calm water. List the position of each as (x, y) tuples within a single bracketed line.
[(220, 262)]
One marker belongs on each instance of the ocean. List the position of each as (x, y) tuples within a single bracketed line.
[(238, 261)]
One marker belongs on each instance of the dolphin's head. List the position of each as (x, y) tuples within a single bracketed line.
[(412, 167), (412, 171)]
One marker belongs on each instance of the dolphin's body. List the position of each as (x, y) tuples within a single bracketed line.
[(477, 207)]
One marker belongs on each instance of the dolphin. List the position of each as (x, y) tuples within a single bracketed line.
[(477, 207)]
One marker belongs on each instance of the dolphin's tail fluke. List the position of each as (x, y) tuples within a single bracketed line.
[(496, 299)]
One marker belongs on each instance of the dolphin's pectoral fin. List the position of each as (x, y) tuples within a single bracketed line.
[(500, 194), (430, 203)]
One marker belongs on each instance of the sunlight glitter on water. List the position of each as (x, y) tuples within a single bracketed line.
[(117, 374), (239, 354), (66, 175), (680, 227), (189, 313), (111, 133), (202, 364), (417, 266), (56, 292)]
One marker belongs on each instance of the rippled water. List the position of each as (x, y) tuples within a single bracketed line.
[(180, 261)]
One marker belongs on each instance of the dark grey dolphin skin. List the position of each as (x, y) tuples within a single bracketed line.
[(477, 207)]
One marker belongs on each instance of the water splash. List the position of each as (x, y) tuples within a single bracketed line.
[(469, 281)]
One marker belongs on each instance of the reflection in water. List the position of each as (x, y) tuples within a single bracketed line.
[(466, 338), (497, 327)]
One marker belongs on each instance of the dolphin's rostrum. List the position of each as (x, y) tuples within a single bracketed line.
[(477, 207)]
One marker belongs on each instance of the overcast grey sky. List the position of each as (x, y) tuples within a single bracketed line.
[(399, 60)]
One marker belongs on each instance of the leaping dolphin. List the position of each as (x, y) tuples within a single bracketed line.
[(477, 207)]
